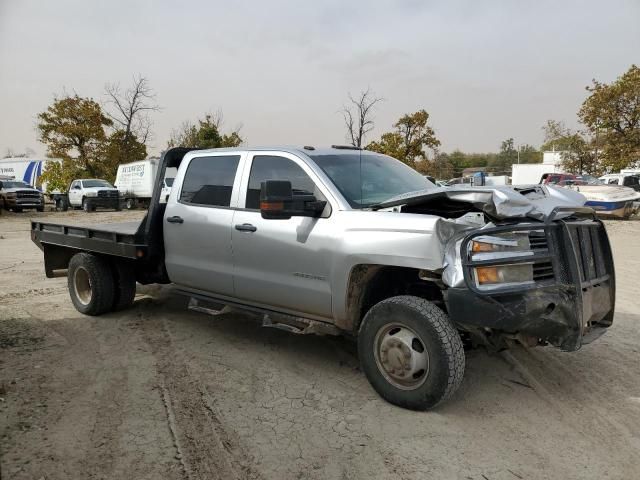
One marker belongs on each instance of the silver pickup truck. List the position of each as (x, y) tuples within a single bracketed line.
[(345, 241)]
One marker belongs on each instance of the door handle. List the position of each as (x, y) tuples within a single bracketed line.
[(175, 219), (246, 227)]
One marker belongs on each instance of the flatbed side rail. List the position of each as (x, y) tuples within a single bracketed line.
[(88, 239)]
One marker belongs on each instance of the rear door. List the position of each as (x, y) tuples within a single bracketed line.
[(197, 223), (282, 263)]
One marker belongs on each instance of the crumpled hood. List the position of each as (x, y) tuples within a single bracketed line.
[(500, 202)]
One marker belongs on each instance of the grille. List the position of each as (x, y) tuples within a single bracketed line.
[(108, 193), (538, 240), (27, 194), (587, 240), (543, 271)]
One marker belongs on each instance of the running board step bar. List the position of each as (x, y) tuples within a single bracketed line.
[(289, 323)]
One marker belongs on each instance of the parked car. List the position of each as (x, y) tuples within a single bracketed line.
[(607, 200), (18, 196), (91, 193), (342, 241), (623, 179)]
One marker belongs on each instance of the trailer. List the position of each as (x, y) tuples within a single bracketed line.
[(26, 169)]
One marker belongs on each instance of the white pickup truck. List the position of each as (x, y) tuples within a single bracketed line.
[(91, 193), (344, 241)]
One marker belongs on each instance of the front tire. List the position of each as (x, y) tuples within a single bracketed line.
[(91, 284), (86, 205), (410, 352)]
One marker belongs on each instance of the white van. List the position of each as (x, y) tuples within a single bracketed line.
[(135, 181)]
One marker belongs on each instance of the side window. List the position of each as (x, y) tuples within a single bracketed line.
[(268, 167), (209, 181)]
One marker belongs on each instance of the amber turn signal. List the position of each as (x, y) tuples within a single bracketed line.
[(487, 275), (270, 206), (482, 247)]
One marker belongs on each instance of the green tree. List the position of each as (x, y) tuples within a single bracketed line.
[(408, 142), (612, 115), (501, 163), (73, 129), (206, 134), (119, 148), (578, 152), (529, 154)]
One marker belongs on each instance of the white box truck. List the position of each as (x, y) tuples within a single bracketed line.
[(531, 173), (136, 180), (27, 170)]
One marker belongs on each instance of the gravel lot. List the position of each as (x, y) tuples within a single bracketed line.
[(159, 391)]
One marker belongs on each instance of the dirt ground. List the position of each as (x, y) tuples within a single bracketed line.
[(160, 391)]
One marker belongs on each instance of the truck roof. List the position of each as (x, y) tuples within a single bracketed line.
[(306, 149)]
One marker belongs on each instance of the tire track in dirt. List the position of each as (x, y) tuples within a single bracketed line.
[(590, 416), (32, 292), (206, 449)]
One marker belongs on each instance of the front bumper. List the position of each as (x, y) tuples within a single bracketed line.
[(570, 309), (104, 202), (23, 202)]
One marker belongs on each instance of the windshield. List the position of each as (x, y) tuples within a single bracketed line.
[(168, 182), (378, 179), (14, 185), (590, 180), (96, 183)]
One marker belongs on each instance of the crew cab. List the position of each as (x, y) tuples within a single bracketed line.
[(91, 193), (17, 196), (344, 241)]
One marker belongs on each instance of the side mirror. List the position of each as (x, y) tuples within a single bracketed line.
[(274, 195), (277, 202)]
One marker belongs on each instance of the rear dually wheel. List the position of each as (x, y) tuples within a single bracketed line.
[(91, 284)]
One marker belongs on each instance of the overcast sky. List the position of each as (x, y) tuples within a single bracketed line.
[(485, 70)]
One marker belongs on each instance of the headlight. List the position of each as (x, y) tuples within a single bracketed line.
[(503, 246), (504, 274), (91, 194), (11, 195)]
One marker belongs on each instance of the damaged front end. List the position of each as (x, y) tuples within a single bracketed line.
[(539, 270), (558, 289)]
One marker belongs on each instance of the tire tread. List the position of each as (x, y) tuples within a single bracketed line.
[(447, 336)]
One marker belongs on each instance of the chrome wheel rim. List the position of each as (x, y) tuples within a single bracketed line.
[(82, 286), (401, 356)]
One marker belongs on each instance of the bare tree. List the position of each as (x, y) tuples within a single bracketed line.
[(131, 108), (358, 116)]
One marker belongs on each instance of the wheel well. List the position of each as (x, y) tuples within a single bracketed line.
[(370, 284)]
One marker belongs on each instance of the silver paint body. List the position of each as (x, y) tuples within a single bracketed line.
[(299, 266)]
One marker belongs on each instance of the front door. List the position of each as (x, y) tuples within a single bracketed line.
[(75, 193), (197, 224), (281, 263)]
